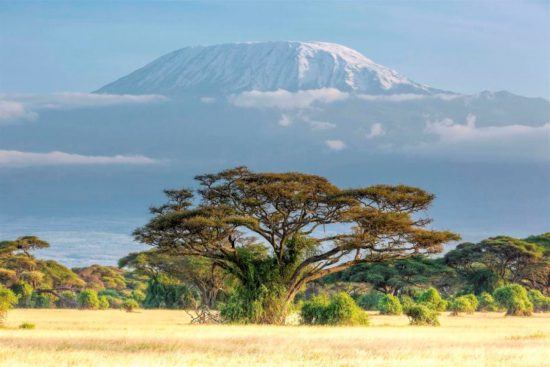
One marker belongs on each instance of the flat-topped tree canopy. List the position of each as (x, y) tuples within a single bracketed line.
[(284, 211)]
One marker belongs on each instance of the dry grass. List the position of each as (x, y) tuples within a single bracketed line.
[(163, 338)]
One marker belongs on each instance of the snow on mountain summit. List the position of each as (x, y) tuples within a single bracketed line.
[(263, 66)]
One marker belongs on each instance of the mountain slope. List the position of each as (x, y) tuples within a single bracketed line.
[(264, 66)]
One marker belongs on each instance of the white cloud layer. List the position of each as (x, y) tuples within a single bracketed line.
[(335, 144), (11, 110), (286, 100), (15, 158), (24, 106), (492, 143), (407, 97)]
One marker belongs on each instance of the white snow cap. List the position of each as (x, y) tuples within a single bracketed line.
[(264, 66)]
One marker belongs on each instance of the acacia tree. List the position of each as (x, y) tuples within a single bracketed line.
[(498, 260), (199, 272), (287, 213)]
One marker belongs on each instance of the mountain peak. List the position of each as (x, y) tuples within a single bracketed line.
[(264, 66)]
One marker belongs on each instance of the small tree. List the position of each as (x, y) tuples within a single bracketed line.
[(514, 298), (370, 300), (340, 309), (431, 298), (7, 301), (462, 304), (88, 299), (129, 305), (540, 302), (103, 302), (390, 305), (486, 303), (420, 314)]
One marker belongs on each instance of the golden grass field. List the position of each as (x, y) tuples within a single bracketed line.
[(164, 338)]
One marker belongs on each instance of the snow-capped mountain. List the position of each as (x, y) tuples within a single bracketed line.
[(264, 66)]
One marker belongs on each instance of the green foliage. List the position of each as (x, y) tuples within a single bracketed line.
[(99, 277), (7, 300), (406, 302), (486, 303), (340, 309), (42, 300), (540, 302), (514, 299), (462, 304), (88, 299), (432, 299), (103, 302), (473, 300), (370, 300), (390, 305), (421, 314), (27, 325), (23, 291), (67, 299), (165, 292), (129, 305)]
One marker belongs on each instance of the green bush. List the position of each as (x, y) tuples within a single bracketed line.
[(88, 299), (114, 302), (42, 300), (129, 305), (540, 302), (486, 303), (473, 300), (103, 302), (406, 302), (462, 304), (390, 305), (7, 300), (369, 301), (313, 311), (514, 299), (27, 325), (67, 299), (432, 299), (420, 314), (340, 309), (23, 291)]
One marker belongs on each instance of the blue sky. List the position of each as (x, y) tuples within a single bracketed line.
[(461, 46)]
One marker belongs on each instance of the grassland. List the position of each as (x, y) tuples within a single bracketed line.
[(163, 338)]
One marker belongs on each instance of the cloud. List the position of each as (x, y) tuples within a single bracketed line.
[(208, 100), (24, 106), (468, 142), (286, 100), (11, 110), (407, 97), (335, 145), (376, 130), (285, 120), (15, 158)]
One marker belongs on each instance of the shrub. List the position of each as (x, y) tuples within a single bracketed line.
[(486, 303), (514, 299), (103, 302), (432, 299), (369, 301), (42, 300), (462, 304), (23, 291), (540, 302), (27, 325), (7, 301), (67, 299), (129, 305), (407, 302), (421, 314), (340, 309), (313, 311), (87, 299), (390, 305), (473, 300), (114, 302)]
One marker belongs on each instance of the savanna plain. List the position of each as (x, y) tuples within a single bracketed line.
[(165, 338)]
